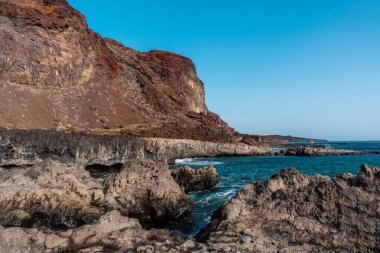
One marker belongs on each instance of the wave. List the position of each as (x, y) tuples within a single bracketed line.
[(196, 162)]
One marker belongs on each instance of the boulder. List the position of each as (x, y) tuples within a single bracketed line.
[(145, 190), (292, 212), (190, 179)]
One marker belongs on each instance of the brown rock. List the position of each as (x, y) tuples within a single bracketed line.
[(190, 179), (112, 233), (145, 190), (292, 212), (55, 73)]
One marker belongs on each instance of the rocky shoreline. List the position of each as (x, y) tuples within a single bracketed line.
[(27, 147), (88, 127), (51, 207)]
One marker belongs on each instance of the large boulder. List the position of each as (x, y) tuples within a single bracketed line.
[(145, 189), (111, 233), (190, 179), (293, 212)]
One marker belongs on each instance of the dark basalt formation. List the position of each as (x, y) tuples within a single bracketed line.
[(292, 212), (55, 73), (27, 147), (190, 179), (50, 194)]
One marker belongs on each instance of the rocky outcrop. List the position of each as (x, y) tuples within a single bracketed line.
[(145, 190), (292, 212), (111, 233), (321, 151), (50, 194), (55, 73), (190, 179), (21, 147)]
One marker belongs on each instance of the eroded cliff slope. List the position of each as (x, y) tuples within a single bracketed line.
[(56, 73)]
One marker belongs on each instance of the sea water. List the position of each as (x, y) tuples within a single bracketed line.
[(236, 172)]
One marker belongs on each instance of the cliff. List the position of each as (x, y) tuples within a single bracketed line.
[(27, 147), (56, 73)]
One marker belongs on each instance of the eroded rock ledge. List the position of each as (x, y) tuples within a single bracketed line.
[(292, 212), (321, 151), (23, 147)]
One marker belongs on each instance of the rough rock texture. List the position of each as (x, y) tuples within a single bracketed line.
[(112, 233), (55, 73), (19, 148), (190, 179), (292, 212), (50, 194), (146, 191), (321, 151)]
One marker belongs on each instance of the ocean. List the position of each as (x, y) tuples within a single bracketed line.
[(236, 172)]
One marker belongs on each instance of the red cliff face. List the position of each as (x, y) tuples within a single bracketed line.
[(55, 73)]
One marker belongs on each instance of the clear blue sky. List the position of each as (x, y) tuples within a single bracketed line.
[(305, 68)]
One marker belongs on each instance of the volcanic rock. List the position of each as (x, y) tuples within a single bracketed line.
[(50, 194), (27, 147), (292, 212), (55, 73), (111, 233), (190, 179), (145, 190), (321, 151)]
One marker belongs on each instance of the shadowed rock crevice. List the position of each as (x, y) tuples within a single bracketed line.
[(104, 171)]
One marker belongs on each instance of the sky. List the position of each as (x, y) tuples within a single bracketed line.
[(295, 67)]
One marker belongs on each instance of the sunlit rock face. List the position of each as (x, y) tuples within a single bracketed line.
[(56, 73)]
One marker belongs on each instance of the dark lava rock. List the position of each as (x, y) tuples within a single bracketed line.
[(190, 179), (293, 212)]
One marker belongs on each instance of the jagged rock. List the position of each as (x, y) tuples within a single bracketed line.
[(111, 233), (190, 179), (292, 212), (50, 194), (145, 190)]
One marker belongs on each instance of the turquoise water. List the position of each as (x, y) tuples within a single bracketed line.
[(236, 172)]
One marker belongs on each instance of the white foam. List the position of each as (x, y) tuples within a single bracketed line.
[(197, 162), (182, 161)]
